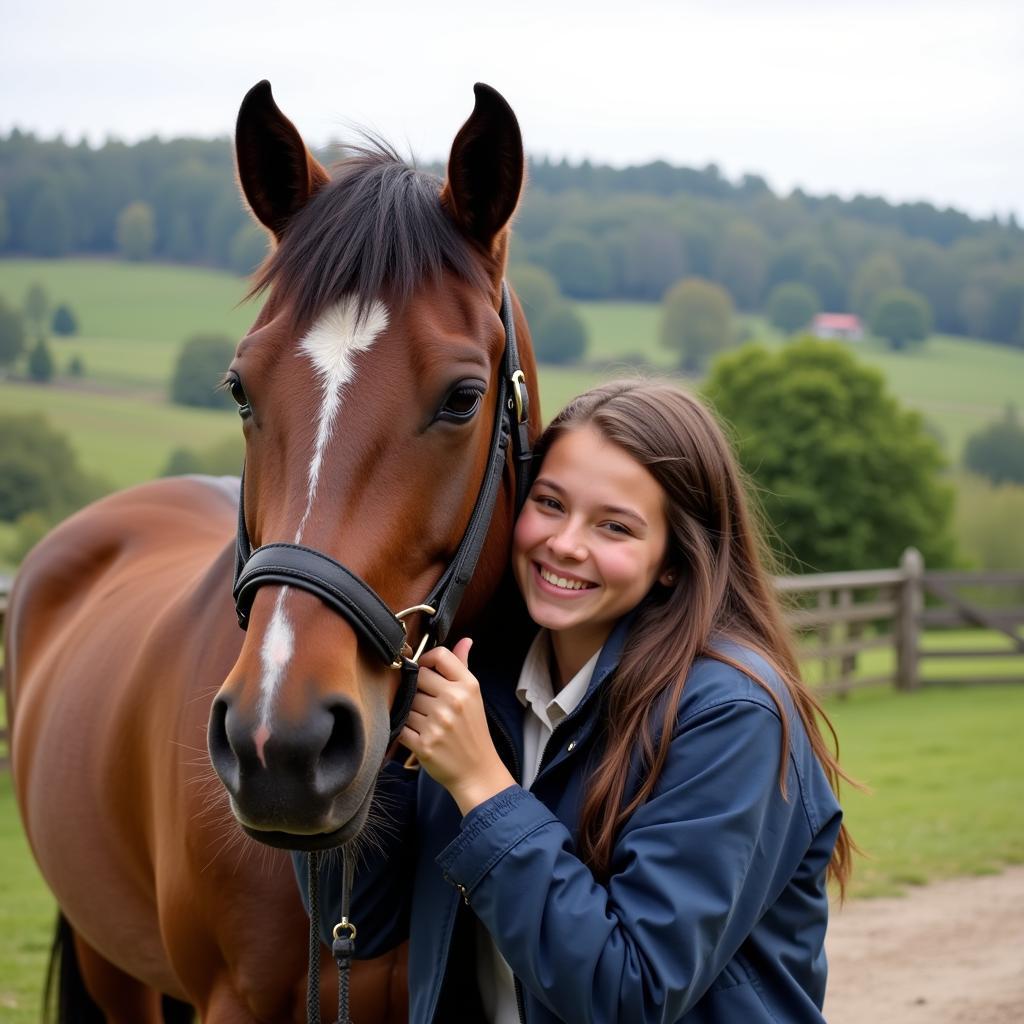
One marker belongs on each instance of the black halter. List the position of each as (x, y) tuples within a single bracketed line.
[(343, 591)]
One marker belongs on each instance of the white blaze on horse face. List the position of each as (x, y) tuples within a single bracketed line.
[(331, 344), (276, 652)]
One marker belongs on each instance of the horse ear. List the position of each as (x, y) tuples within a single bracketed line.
[(485, 169), (277, 172)]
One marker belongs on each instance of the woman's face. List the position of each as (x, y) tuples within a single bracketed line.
[(592, 537)]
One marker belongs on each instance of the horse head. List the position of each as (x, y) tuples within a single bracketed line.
[(368, 390)]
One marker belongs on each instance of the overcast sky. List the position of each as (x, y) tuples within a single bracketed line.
[(900, 98)]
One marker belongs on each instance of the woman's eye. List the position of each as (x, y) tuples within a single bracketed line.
[(547, 503), (617, 528), (462, 403)]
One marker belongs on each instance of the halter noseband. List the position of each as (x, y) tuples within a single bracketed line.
[(355, 600)]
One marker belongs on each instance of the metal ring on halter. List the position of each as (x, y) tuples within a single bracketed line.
[(345, 923), (518, 386), (401, 616)]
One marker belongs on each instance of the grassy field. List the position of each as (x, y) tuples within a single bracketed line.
[(936, 809), (124, 438), (959, 385), (135, 302), (133, 318)]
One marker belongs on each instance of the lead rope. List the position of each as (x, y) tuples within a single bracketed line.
[(343, 947)]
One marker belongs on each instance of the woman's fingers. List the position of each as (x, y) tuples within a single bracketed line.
[(451, 664)]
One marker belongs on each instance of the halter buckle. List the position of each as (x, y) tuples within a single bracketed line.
[(518, 391), (401, 616)]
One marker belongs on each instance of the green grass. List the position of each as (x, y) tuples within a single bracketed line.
[(944, 766), (959, 385), (26, 918), (952, 670), (135, 302), (124, 439), (133, 318)]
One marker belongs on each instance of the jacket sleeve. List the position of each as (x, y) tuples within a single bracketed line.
[(385, 863), (693, 871)]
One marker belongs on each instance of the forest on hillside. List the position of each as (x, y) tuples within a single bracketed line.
[(602, 232)]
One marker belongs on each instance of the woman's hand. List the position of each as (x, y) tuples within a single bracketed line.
[(447, 729)]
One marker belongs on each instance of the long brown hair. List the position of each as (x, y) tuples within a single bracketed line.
[(722, 592)]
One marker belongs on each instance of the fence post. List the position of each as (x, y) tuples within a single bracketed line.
[(911, 599)]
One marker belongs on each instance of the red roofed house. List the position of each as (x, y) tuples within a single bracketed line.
[(845, 326)]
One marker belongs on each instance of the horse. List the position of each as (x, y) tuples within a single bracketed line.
[(368, 391)]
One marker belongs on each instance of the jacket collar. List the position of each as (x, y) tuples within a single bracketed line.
[(499, 675)]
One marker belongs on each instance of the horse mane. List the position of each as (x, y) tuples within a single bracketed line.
[(377, 227)]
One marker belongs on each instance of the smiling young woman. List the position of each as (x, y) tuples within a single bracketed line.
[(635, 802)]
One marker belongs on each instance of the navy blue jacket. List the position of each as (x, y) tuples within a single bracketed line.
[(716, 906)]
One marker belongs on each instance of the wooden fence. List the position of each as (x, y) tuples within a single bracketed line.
[(840, 616)]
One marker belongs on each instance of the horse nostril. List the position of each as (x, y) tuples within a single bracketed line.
[(342, 754), (222, 754)]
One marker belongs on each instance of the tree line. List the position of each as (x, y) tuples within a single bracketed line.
[(602, 232)]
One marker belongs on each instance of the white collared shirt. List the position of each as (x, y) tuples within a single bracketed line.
[(544, 710)]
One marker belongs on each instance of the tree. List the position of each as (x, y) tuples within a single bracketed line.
[(40, 362), (579, 264), (49, 223), (12, 334), (536, 288), (697, 321), (877, 273), (560, 337), (37, 307), (65, 323), (792, 306), (846, 476), (901, 317), (136, 231), (997, 451), (741, 263), (76, 367), (222, 459), (248, 248), (39, 471), (200, 366)]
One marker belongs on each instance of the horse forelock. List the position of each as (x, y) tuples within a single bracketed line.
[(377, 228)]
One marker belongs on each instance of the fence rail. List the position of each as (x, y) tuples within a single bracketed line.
[(841, 615)]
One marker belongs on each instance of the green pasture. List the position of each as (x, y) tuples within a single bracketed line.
[(134, 317), (134, 302), (943, 766), (123, 438), (959, 385)]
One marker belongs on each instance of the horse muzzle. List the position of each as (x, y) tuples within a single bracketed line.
[(302, 779)]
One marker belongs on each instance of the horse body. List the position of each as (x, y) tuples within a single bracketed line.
[(122, 634)]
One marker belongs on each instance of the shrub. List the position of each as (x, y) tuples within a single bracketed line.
[(560, 337), (792, 306), (40, 362), (39, 471), (65, 323), (199, 369), (997, 451), (697, 322)]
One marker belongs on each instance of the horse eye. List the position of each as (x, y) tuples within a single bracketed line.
[(234, 386), (462, 402)]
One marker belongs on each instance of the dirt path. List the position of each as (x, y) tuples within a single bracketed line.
[(949, 953)]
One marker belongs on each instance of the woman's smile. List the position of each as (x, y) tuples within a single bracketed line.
[(561, 582)]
